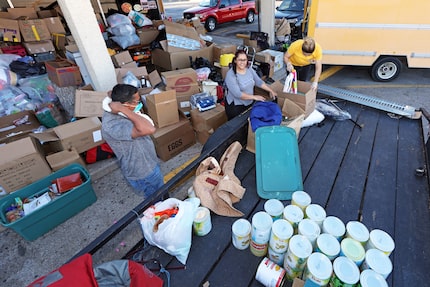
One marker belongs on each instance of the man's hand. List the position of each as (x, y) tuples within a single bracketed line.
[(116, 107), (290, 67)]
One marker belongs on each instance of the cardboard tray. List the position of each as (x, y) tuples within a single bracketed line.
[(277, 162), (58, 210)]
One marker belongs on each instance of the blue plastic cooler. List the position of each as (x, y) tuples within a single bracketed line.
[(277, 162)]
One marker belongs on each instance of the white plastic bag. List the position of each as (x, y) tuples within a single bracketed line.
[(173, 235)]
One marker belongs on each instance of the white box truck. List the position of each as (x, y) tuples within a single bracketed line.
[(382, 34)]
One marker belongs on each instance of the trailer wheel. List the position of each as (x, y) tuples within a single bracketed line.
[(210, 24), (386, 69)]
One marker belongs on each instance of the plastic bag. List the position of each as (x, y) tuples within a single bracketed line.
[(172, 234), (329, 109), (126, 41)]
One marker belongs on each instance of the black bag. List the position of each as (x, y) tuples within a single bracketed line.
[(29, 69)]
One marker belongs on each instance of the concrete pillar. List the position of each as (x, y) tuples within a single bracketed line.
[(81, 20), (267, 19)]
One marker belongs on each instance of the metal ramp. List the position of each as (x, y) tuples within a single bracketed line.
[(402, 110)]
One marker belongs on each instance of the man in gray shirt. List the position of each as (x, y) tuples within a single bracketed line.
[(128, 134)]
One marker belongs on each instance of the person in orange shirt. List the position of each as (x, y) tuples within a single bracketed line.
[(301, 55)]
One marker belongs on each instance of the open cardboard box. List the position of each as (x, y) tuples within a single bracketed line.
[(293, 118)]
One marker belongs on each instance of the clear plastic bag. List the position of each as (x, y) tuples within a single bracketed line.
[(329, 109)]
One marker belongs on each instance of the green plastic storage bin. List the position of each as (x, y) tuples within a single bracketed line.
[(277, 162), (40, 221)]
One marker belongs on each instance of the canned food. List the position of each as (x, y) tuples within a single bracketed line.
[(381, 240), (377, 261), (345, 273), (358, 231), (318, 269), (280, 235), (334, 226), (316, 213), (369, 278), (299, 249), (293, 214), (353, 250), (300, 199), (328, 245)]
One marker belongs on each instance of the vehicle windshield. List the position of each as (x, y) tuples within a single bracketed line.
[(292, 5), (208, 3)]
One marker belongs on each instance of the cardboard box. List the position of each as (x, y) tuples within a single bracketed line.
[(63, 73), (64, 158), (38, 47), (180, 60), (82, 134), (21, 163), (47, 13), (121, 58), (54, 25), (185, 91), (73, 54), (305, 98), (205, 123), (16, 124), (21, 12), (34, 30), (88, 103), (293, 118), (277, 57), (139, 72), (163, 108), (181, 77), (173, 139), (224, 48), (181, 37), (147, 35), (184, 103), (10, 30)]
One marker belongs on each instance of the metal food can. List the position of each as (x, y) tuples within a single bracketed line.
[(293, 214), (270, 274), (328, 245), (310, 229), (241, 233), (345, 273), (316, 213), (318, 269), (280, 235), (353, 250), (358, 231), (301, 199), (202, 224), (381, 240), (260, 233), (377, 261), (299, 249), (369, 278), (334, 226)]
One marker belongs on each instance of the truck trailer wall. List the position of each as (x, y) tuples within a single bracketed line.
[(355, 32)]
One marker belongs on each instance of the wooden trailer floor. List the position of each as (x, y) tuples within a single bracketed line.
[(366, 174)]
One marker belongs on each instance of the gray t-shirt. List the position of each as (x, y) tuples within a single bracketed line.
[(137, 156), (238, 84)]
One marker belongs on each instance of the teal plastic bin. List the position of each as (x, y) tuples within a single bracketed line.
[(58, 210), (277, 162)]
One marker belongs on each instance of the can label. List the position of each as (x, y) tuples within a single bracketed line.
[(258, 249), (336, 282), (320, 282)]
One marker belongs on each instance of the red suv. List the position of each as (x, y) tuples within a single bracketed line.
[(214, 12)]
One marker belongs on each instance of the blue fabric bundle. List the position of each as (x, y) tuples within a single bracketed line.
[(265, 114)]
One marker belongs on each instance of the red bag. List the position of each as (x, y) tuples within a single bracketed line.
[(99, 152)]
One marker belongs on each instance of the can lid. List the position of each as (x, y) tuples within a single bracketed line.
[(241, 227), (328, 244), (352, 249), (293, 213), (262, 220), (346, 270), (308, 227), (315, 212), (282, 229), (334, 225), (319, 265), (370, 278), (382, 240), (379, 262), (273, 207), (358, 231), (301, 197), (300, 246)]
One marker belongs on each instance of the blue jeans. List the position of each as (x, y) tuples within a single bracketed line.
[(150, 184)]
